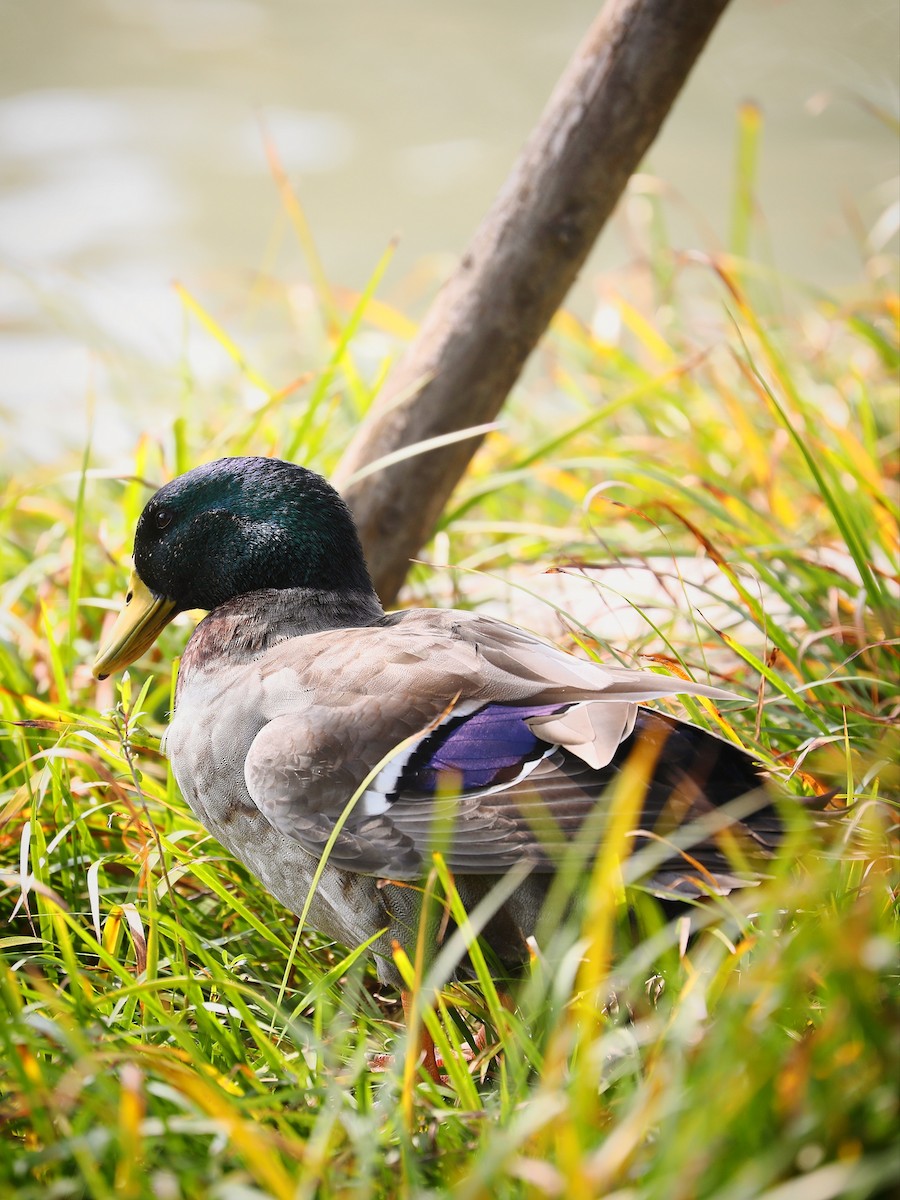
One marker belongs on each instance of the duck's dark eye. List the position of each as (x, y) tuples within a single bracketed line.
[(163, 518)]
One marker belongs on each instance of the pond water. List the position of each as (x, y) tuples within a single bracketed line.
[(131, 153)]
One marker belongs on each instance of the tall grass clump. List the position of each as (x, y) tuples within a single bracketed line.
[(724, 440)]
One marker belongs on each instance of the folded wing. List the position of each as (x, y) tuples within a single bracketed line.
[(506, 769)]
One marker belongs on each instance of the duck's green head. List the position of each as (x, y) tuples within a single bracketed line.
[(227, 528)]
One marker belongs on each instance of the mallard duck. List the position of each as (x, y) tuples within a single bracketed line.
[(298, 692)]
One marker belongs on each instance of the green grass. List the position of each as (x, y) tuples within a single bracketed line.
[(164, 1030)]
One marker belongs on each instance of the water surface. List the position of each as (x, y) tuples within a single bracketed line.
[(131, 153)]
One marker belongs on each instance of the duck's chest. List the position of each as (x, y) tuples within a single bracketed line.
[(210, 735), (207, 743), (219, 710)]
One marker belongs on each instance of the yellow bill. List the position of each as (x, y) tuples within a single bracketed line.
[(137, 627)]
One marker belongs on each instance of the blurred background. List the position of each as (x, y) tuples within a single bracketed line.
[(132, 153)]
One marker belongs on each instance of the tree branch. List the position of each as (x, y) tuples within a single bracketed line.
[(602, 116)]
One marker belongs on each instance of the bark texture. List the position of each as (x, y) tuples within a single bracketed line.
[(601, 118)]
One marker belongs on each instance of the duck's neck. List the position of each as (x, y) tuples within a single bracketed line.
[(244, 627)]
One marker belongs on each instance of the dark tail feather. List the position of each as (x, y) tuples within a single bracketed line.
[(710, 804)]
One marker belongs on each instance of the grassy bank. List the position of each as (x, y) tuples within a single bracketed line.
[(168, 1031)]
